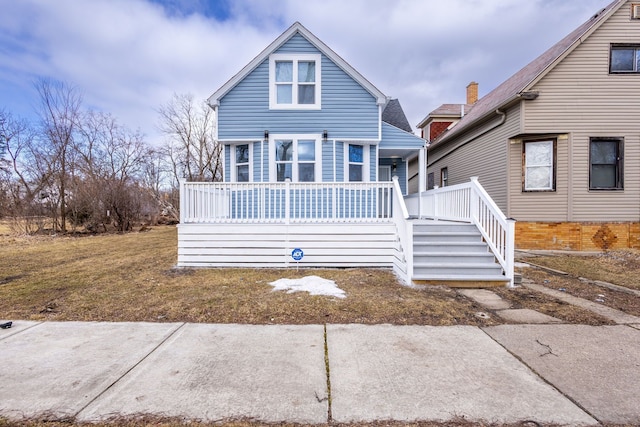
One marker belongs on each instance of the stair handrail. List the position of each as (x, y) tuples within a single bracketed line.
[(400, 216), (497, 230)]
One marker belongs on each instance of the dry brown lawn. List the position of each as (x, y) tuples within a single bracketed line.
[(132, 277), (620, 267)]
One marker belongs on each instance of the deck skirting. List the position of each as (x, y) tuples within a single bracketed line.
[(270, 245)]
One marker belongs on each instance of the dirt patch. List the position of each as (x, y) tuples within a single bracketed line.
[(619, 267), (585, 289)]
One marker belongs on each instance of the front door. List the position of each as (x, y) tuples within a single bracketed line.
[(384, 202)]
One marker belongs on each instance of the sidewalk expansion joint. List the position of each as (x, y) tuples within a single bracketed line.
[(518, 358), (328, 373), (129, 370)]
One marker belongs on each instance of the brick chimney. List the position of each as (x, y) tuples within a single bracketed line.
[(472, 93)]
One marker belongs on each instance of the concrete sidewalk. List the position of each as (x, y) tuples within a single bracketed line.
[(564, 374)]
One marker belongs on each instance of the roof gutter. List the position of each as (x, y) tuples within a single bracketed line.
[(503, 119)]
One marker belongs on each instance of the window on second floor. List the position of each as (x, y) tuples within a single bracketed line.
[(538, 163), (605, 163), (294, 81), (625, 58)]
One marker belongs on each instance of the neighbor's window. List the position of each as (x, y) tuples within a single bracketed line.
[(295, 159), (430, 181), (625, 58), (444, 177), (242, 162), (539, 165), (294, 81), (356, 162), (605, 163)]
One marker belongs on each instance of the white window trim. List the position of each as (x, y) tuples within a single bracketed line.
[(273, 173), (273, 104), (232, 160), (366, 161), (549, 186)]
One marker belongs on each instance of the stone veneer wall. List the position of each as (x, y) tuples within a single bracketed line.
[(578, 236)]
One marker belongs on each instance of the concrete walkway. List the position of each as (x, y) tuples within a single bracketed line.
[(564, 374)]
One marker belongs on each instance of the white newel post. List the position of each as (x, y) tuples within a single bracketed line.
[(474, 212), (287, 200), (183, 195), (510, 250)]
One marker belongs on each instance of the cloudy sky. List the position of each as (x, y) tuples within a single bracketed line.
[(128, 57)]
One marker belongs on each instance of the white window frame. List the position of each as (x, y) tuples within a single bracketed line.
[(273, 172), (295, 58), (366, 161), (552, 166), (232, 160)]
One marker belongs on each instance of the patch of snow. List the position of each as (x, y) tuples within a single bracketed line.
[(313, 284), (521, 265)]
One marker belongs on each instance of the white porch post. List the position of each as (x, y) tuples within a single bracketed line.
[(422, 177), (287, 199), (183, 204)]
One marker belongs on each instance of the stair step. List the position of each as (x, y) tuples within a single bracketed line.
[(453, 257), (429, 237), (445, 227), (466, 269), (460, 277), (450, 247)]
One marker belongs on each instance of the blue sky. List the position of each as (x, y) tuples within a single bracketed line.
[(128, 57)]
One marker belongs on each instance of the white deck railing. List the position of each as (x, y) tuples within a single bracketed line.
[(285, 202), (470, 202)]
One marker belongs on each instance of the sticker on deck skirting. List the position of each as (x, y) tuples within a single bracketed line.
[(297, 254)]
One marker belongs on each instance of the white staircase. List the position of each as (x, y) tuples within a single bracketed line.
[(453, 252)]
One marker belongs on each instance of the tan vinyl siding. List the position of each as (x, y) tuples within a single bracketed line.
[(484, 157), (581, 98)]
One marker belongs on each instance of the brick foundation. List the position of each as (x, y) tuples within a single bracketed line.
[(578, 236)]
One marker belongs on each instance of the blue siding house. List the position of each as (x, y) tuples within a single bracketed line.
[(300, 112), (315, 158)]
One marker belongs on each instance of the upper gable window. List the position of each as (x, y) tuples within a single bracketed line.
[(294, 81), (625, 58)]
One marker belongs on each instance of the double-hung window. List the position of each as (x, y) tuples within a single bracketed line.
[(294, 81), (241, 155), (625, 58), (605, 163), (296, 159), (444, 177), (356, 162), (538, 165)]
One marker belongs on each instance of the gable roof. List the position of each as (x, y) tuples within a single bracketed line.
[(512, 88), (296, 28), (453, 111), (394, 115)]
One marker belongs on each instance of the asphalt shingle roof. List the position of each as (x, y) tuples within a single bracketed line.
[(510, 88), (394, 115)]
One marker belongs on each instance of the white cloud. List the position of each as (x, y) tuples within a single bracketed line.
[(129, 56)]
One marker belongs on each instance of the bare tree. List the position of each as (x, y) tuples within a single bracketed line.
[(191, 149), (59, 115)]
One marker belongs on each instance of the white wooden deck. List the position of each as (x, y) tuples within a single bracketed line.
[(335, 224)]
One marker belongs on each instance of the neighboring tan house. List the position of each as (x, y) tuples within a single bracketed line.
[(315, 172), (437, 122), (557, 145)]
